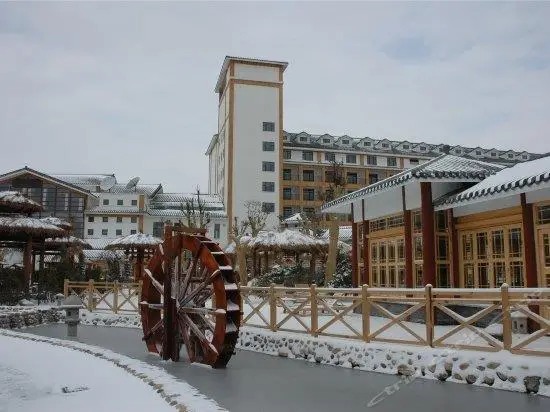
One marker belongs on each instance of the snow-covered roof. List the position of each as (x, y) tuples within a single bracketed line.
[(63, 224), (28, 226), (145, 189), (83, 179), (15, 202), (286, 239), (49, 178), (443, 168), (94, 255), (344, 234), (519, 178), (106, 209), (296, 218), (99, 243), (178, 213), (68, 240), (135, 240)]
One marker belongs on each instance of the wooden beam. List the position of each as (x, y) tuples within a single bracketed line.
[(408, 242), (354, 262), (366, 248), (428, 233), (531, 277), (454, 248)]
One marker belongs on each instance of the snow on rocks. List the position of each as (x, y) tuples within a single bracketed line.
[(15, 317), (177, 394), (500, 370)]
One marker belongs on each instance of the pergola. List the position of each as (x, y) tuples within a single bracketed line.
[(139, 246)]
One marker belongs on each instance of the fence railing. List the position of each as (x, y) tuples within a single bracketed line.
[(479, 319), (111, 296)]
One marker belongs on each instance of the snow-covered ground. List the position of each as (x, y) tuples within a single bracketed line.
[(53, 375)]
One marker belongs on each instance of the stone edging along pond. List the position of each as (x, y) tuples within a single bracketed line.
[(499, 370)]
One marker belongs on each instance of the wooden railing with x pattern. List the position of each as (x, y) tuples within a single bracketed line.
[(406, 316), (111, 296)]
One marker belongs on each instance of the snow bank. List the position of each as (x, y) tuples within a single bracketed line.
[(500, 370), (178, 394)]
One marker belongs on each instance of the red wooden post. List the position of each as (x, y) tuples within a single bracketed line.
[(409, 283), (428, 233), (529, 243), (453, 236), (354, 263), (366, 248)]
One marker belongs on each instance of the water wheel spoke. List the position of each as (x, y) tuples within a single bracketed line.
[(205, 343), (154, 282), (202, 311), (153, 330), (184, 334), (200, 287)]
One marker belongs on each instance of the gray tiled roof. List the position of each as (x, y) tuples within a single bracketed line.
[(83, 180), (174, 201), (520, 178), (114, 209), (145, 189), (179, 213), (441, 168)]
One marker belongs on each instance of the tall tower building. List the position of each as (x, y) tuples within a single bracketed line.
[(245, 156)]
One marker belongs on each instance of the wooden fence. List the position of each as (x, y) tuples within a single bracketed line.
[(406, 316), (111, 296)]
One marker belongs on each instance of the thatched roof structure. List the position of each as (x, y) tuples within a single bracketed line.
[(15, 202), (67, 241), (285, 241), (138, 240), (63, 224), (24, 227)]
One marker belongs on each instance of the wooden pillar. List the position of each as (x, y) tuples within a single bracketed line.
[(409, 282), (354, 263), (531, 278), (138, 274), (428, 233), (454, 248), (27, 263), (366, 248)]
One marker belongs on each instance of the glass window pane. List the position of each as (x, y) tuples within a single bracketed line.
[(515, 243), (481, 239), (467, 249), (483, 274), (442, 247), (468, 275), (443, 276), (401, 276), (498, 244), (418, 248), (517, 274), (499, 269), (419, 277)]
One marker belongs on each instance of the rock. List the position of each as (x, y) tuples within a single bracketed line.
[(512, 379), (410, 361), (480, 367), (388, 357), (405, 370), (471, 379), (432, 367), (442, 376), (546, 381), (336, 350), (455, 358), (283, 352), (383, 365), (532, 384), (448, 367), (493, 365), (502, 376), (488, 380), (458, 377), (525, 367), (464, 366)]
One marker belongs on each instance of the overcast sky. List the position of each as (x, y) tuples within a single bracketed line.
[(127, 88)]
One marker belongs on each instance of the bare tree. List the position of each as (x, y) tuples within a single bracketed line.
[(256, 217), (195, 211), (337, 187)]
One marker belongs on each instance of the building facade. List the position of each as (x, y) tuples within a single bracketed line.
[(251, 157)]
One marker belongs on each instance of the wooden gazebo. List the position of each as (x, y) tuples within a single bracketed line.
[(138, 246)]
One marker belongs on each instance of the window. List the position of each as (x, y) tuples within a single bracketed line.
[(309, 211), (119, 232), (329, 157), (406, 147), (309, 194), (543, 214), (104, 232), (386, 223), (352, 178), (134, 202), (458, 151), (524, 157), (133, 219), (422, 148), (373, 178), (105, 219), (308, 176), (216, 230), (105, 202), (345, 141), (268, 146), (385, 145), (287, 212), (307, 156), (371, 160), (387, 262), (287, 193), (510, 156), (91, 219), (493, 154), (133, 231), (120, 202), (268, 166), (287, 174), (326, 140), (268, 207), (158, 229), (268, 186), (351, 158), (392, 161), (287, 154), (366, 144), (478, 152), (90, 232), (268, 126), (413, 162), (119, 219), (303, 139)]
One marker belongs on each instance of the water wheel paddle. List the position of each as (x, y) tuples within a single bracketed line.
[(190, 299)]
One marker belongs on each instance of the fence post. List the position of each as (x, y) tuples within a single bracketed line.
[(314, 312), (429, 316), (66, 287), (506, 319), (365, 306), (115, 296), (91, 295), (272, 308)]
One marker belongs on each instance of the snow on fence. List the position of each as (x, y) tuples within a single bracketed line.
[(479, 319), (112, 296)]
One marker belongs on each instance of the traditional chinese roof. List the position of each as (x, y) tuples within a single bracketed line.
[(27, 226), (63, 224), (15, 202), (443, 168), (520, 178), (286, 240), (344, 234), (136, 240), (68, 241)]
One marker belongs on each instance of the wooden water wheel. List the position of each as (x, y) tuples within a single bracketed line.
[(190, 301)]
